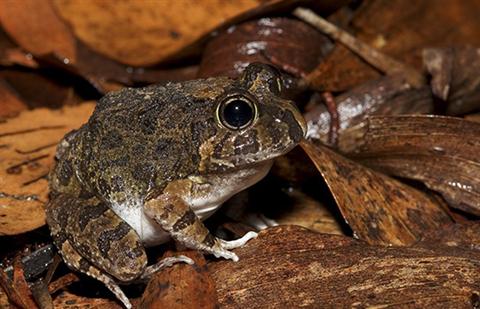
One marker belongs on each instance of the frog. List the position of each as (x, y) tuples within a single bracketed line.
[(152, 163)]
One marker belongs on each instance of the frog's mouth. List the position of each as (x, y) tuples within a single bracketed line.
[(238, 162)]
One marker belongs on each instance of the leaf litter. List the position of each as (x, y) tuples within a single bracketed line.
[(418, 235)]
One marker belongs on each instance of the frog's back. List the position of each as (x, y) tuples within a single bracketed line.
[(137, 139)]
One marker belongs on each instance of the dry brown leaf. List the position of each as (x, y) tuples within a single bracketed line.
[(68, 300), (39, 90), (455, 77), (440, 151), (401, 30), (10, 103), (27, 146), (309, 213), (142, 33), (291, 267), (341, 70), (11, 54), (379, 209), (181, 286), (4, 303), (427, 23), (35, 26)]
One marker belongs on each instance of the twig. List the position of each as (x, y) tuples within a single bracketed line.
[(62, 282), (375, 58)]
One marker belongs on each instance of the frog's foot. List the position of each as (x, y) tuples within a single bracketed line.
[(76, 261), (164, 263)]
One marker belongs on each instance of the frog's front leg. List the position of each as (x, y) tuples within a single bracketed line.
[(176, 217)]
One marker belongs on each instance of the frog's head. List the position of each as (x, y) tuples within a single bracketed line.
[(254, 123)]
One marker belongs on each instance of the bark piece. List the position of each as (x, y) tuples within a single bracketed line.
[(27, 147), (291, 267), (379, 209), (442, 152)]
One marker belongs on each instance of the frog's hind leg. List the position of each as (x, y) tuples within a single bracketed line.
[(77, 262), (92, 239), (97, 234)]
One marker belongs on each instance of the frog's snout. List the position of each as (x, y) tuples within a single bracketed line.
[(298, 127)]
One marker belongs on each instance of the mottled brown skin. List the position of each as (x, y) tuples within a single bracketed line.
[(157, 149)]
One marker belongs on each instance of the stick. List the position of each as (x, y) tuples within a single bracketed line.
[(375, 58)]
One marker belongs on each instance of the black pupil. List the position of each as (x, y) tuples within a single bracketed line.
[(237, 113)]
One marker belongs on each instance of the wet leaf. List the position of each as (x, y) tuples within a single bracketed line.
[(455, 77), (35, 26), (379, 209), (388, 95), (182, 286), (147, 32), (289, 266), (442, 152), (282, 41), (27, 146)]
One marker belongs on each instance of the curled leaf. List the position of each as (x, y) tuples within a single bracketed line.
[(379, 209), (442, 152)]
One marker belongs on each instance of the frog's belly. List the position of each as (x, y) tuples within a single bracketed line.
[(150, 232), (204, 200)]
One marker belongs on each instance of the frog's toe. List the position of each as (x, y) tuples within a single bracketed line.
[(164, 263), (232, 244), (222, 253), (185, 259)]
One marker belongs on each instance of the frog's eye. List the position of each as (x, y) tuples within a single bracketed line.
[(236, 112)]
